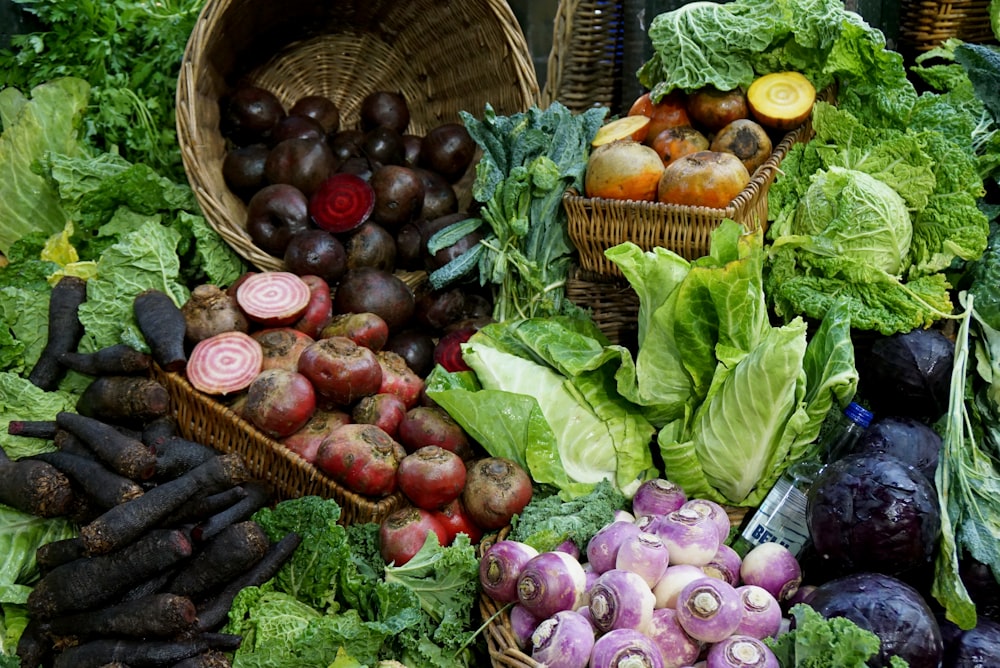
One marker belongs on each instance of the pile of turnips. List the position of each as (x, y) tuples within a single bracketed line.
[(657, 588)]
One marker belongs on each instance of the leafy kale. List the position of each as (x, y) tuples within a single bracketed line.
[(548, 521), (815, 642), (129, 52), (337, 600)]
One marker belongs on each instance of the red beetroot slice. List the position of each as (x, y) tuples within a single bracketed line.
[(342, 202), (273, 298), (224, 363)]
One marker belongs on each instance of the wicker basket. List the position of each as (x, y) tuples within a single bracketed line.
[(204, 420), (596, 224), (613, 304), (445, 56), (924, 24), (585, 63)]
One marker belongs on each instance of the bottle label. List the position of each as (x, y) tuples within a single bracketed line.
[(780, 519)]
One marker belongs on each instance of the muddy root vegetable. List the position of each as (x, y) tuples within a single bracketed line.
[(45, 429), (319, 311), (235, 549), (365, 329), (57, 553), (280, 402), (673, 143), (623, 169), (122, 524), (225, 363), (431, 425), (64, 331), (281, 347), (163, 326), (362, 458), (371, 290), (306, 441), (706, 178), (104, 487), (273, 298), (176, 456), (496, 489), (206, 505), (341, 370), (34, 487), (745, 139), (124, 399), (125, 455), (213, 612), (255, 496), (87, 583), (399, 379), (383, 410), (105, 651), (713, 109), (157, 616), (116, 360), (404, 532), (431, 477), (210, 311)]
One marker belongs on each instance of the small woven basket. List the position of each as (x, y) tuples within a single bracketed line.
[(585, 63), (596, 224), (444, 56), (925, 24), (204, 420), (613, 304)]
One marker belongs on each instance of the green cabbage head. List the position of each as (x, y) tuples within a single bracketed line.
[(850, 213)]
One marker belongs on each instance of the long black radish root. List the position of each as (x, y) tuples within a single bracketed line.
[(73, 444), (34, 487), (124, 399), (105, 487), (64, 331), (156, 616), (33, 646), (57, 553), (257, 496), (32, 428), (152, 653), (232, 552), (156, 431), (117, 360), (87, 583), (214, 612), (199, 507), (176, 456), (125, 522), (210, 659), (162, 324), (125, 455)]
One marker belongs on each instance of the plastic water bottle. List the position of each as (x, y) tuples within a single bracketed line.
[(781, 517)]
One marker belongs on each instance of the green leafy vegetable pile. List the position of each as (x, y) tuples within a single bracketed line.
[(736, 400), (128, 51), (529, 161), (815, 642), (336, 600), (549, 521)]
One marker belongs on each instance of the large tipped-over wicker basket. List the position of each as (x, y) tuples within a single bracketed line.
[(445, 56), (925, 24)]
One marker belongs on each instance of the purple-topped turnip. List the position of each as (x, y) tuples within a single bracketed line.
[(725, 565), (621, 599), (740, 651), (564, 640), (690, 537), (761, 612), (500, 567), (657, 497), (645, 555), (625, 648), (678, 648), (709, 609), (675, 578), (550, 582), (602, 549), (773, 567)]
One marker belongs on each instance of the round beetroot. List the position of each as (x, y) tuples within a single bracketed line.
[(496, 489), (279, 402), (431, 477), (362, 458), (306, 441), (371, 290), (383, 410), (365, 329), (431, 425), (399, 379), (455, 519), (341, 370), (405, 531), (282, 346)]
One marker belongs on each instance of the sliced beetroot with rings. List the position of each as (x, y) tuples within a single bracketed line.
[(342, 202)]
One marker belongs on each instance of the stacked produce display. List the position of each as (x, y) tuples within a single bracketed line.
[(492, 480)]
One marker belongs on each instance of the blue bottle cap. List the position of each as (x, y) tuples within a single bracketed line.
[(858, 414)]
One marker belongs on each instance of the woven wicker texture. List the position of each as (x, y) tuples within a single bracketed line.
[(596, 224), (924, 24), (585, 62), (204, 420), (444, 56), (613, 304)]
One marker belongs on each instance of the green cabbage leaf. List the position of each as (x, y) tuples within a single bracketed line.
[(736, 400)]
